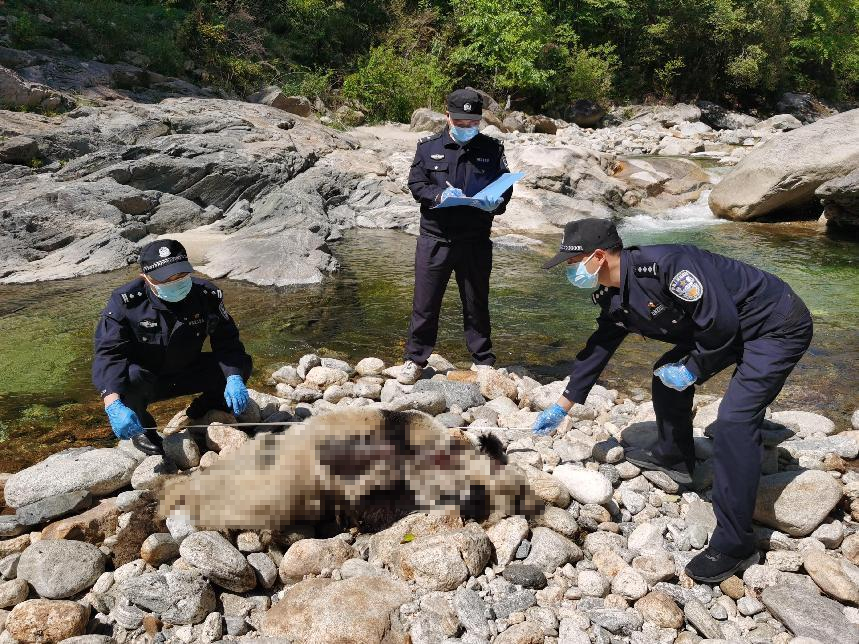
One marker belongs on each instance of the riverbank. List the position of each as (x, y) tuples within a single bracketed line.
[(48, 403), (603, 560)]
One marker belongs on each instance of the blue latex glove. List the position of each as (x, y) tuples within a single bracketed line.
[(490, 205), (675, 375), (123, 421), (549, 420), (450, 191), (236, 394)]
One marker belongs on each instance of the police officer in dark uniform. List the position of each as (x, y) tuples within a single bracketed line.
[(148, 346), (458, 161), (717, 312)]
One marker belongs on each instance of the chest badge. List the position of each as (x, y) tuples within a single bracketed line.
[(148, 324), (686, 286), (437, 157), (482, 160), (656, 309)]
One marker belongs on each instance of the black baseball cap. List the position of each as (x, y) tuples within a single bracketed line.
[(162, 259), (585, 236), (465, 104)]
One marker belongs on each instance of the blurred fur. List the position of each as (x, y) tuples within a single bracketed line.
[(365, 468)]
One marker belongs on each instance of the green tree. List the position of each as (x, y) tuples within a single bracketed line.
[(499, 44)]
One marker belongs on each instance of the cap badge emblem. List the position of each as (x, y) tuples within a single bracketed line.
[(164, 252), (467, 107)]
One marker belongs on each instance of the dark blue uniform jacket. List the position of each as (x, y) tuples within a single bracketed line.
[(685, 296), (162, 337), (440, 160)]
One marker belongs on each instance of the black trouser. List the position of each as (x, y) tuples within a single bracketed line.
[(435, 260), (763, 365), (203, 377)]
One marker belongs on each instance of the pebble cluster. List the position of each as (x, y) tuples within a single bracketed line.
[(85, 558)]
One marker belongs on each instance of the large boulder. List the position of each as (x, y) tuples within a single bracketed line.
[(780, 177), (17, 93), (796, 502), (808, 614), (840, 199), (426, 120), (719, 118), (323, 611), (98, 471), (804, 107), (584, 113), (273, 96)]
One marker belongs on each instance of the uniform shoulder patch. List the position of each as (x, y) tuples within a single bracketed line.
[(686, 286), (429, 137), (647, 270), (601, 295)]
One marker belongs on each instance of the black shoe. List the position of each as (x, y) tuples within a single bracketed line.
[(712, 566), (149, 442), (678, 472)]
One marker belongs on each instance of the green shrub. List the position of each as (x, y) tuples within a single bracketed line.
[(392, 86)]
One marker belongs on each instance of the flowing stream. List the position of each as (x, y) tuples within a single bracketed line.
[(47, 402)]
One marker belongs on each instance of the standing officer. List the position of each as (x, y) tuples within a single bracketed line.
[(455, 162), (148, 346), (717, 312)]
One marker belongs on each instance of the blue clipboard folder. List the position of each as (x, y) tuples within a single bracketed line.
[(491, 192)]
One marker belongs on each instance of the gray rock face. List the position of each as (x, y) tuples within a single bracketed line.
[(808, 614), (165, 168), (780, 177), (60, 569), (216, 558), (840, 199), (176, 597), (460, 394), (53, 507), (15, 92)]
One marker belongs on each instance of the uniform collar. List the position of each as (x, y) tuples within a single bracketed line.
[(156, 301)]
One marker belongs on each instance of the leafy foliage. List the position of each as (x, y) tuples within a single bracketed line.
[(395, 55)]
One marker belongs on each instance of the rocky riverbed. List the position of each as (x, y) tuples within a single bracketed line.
[(86, 556), (119, 156)]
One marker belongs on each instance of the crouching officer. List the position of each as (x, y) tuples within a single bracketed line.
[(458, 161), (717, 312), (148, 346)]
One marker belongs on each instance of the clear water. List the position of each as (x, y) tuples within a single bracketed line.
[(539, 320)]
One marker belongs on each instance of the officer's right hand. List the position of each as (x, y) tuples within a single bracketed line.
[(123, 421), (549, 420), (450, 191)]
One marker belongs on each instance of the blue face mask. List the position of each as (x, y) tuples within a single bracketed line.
[(578, 275), (174, 291), (462, 134)]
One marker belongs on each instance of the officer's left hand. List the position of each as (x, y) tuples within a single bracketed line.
[(236, 394), (490, 205), (675, 375)]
